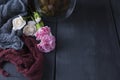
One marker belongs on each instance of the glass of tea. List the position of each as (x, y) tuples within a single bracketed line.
[(55, 9)]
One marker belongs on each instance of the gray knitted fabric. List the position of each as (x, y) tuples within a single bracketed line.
[(10, 41), (9, 9)]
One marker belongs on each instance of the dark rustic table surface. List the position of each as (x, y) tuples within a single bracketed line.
[(88, 44)]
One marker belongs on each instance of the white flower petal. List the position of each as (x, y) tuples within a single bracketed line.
[(29, 30), (18, 23), (38, 19)]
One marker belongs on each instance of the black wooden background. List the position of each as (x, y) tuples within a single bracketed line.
[(88, 44)]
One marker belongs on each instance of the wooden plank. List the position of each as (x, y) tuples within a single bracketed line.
[(14, 74), (116, 16), (115, 6), (49, 70), (87, 45)]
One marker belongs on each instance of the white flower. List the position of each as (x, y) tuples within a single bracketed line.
[(18, 23), (29, 29), (38, 19)]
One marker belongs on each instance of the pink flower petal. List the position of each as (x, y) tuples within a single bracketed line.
[(42, 31), (47, 43)]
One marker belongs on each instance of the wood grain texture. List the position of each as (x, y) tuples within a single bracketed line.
[(87, 45), (14, 74), (115, 7)]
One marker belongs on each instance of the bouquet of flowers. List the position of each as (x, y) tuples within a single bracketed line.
[(23, 39), (34, 26)]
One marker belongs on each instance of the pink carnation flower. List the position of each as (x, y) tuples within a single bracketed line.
[(47, 43), (41, 32)]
